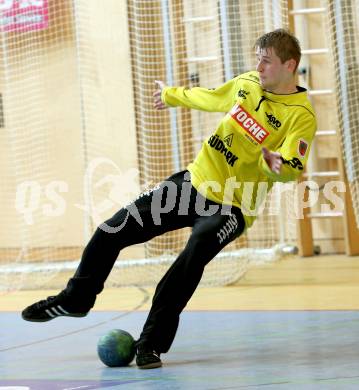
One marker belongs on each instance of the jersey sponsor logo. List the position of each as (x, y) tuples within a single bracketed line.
[(249, 124), (294, 163), (243, 94), (273, 121), (302, 147), (228, 139), (216, 143)]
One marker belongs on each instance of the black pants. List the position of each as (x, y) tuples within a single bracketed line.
[(173, 205)]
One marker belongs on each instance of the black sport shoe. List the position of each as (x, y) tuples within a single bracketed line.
[(147, 357), (55, 306)]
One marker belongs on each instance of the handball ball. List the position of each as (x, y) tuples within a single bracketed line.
[(116, 348)]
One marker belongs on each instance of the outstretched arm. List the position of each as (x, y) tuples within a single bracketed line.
[(220, 99)]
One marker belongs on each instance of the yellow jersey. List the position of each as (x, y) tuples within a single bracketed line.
[(230, 168)]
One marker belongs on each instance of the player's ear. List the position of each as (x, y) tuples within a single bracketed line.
[(291, 65)]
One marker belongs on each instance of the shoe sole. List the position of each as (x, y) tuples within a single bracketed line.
[(76, 315), (150, 365)]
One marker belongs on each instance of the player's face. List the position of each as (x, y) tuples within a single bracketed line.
[(273, 74)]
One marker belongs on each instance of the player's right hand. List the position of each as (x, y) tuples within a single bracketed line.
[(157, 101), (273, 160)]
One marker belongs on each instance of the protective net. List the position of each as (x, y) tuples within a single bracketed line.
[(81, 137), (344, 36), (39, 88)]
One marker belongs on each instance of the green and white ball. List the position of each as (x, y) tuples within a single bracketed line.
[(116, 348)]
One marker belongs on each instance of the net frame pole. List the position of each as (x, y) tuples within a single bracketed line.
[(181, 78), (341, 46), (228, 73), (167, 39), (342, 74)]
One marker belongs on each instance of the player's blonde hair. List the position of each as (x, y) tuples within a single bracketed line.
[(285, 45)]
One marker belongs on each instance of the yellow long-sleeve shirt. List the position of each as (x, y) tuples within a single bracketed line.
[(230, 168)]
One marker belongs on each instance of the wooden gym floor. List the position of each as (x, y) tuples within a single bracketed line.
[(290, 325)]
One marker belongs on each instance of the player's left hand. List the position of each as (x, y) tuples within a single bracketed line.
[(273, 160), (157, 101)]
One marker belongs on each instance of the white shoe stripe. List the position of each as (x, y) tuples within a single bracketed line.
[(60, 308), (49, 313), (56, 311)]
